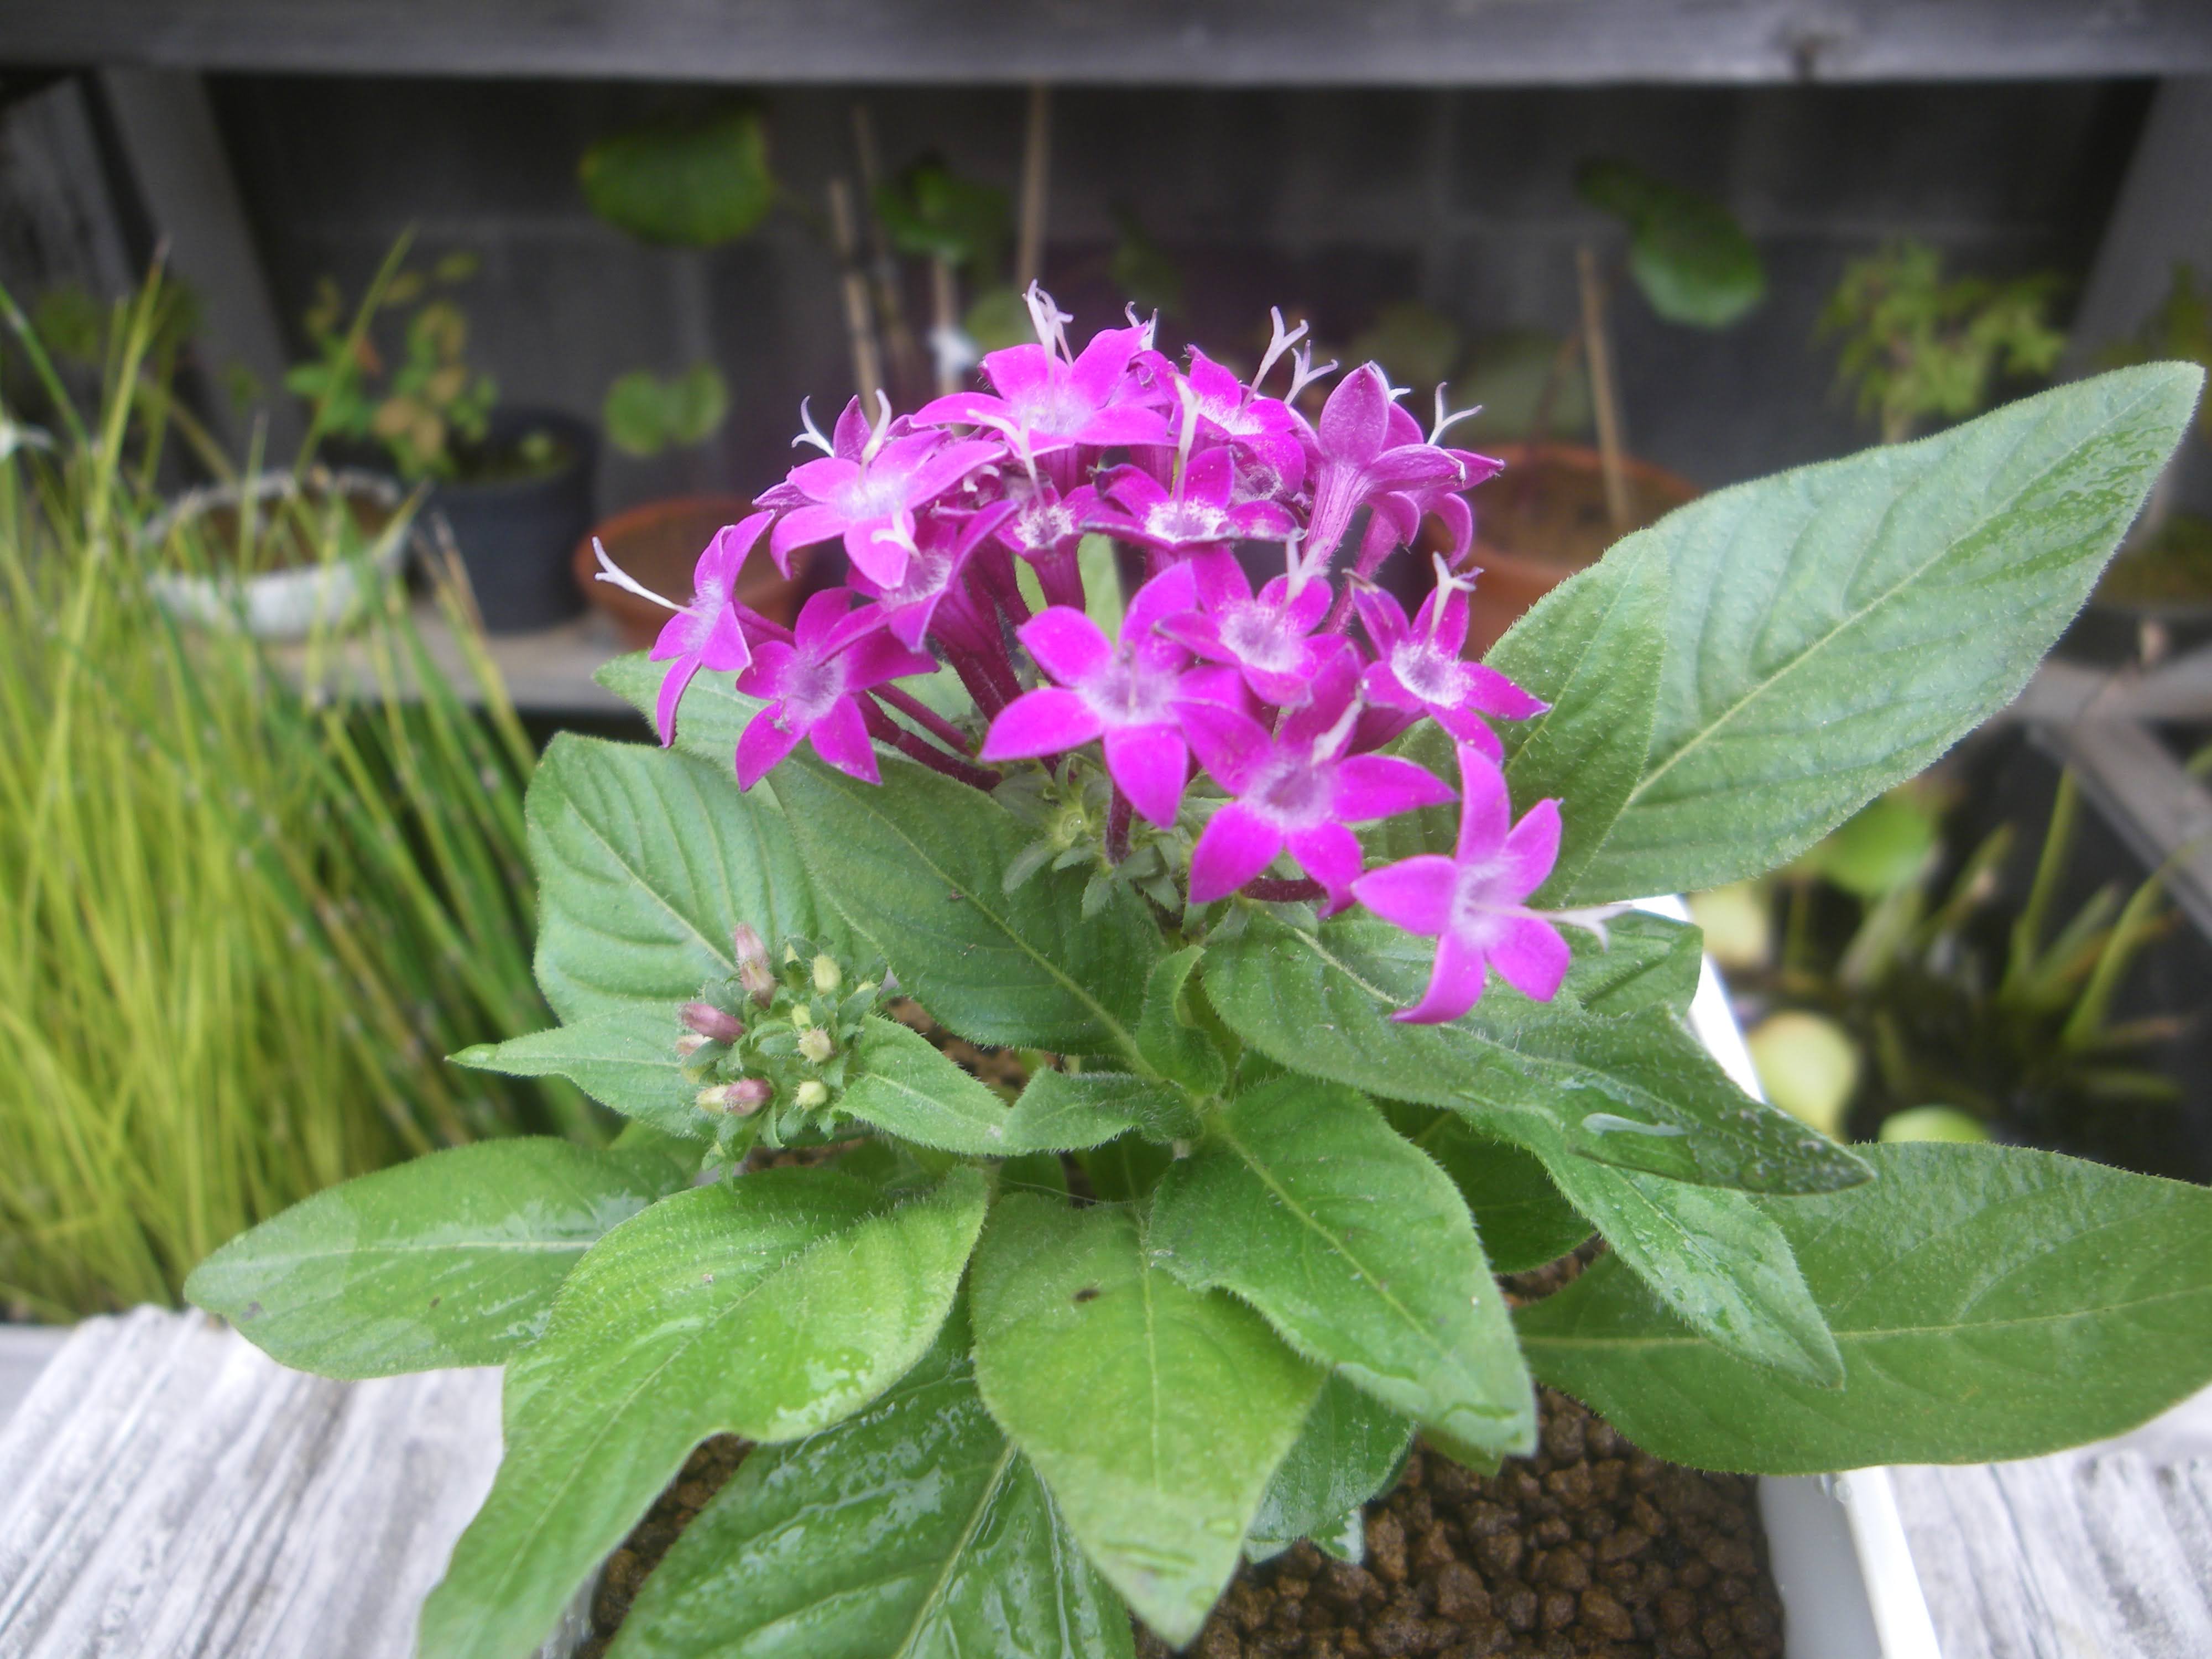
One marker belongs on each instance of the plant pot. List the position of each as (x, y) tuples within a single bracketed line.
[(290, 600), (659, 543), (1545, 517), (515, 534)]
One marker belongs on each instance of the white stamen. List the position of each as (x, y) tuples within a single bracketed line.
[(1591, 920), (1304, 373), (1017, 440), (883, 425), (1326, 745), (1446, 581), (1048, 319), (1279, 342), (1187, 395), (1150, 325), (813, 433), (609, 571), (1395, 391), (1445, 423)]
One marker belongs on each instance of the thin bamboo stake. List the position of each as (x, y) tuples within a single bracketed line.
[(909, 374), (1605, 394), (1036, 169), (860, 326)]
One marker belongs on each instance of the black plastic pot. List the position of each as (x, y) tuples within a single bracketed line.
[(515, 535)]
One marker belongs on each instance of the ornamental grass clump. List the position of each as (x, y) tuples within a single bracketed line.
[(1311, 938)]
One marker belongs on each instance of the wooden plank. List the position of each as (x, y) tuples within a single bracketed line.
[(166, 1490), (2163, 814), (1155, 42)]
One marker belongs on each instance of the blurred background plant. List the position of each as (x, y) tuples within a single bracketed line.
[(241, 924), (1914, 345), (1694, 263), (1891, 991)]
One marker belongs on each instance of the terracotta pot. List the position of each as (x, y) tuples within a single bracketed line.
[(659, 543), (1544, 519)]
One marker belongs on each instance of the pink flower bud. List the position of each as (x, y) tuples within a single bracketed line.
[(750, 947), (744, 1097), (712, 1023), (688, 1044)]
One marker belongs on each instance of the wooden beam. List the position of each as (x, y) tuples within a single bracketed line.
[(1154, 42)]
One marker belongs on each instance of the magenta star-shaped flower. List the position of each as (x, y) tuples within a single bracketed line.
[(1365, 455), (1124, 692), (937, 556), (861, 499), (1296, 787), (1052, 402), (1203, 513), (1270, 430), (1418, 667), (705, 633), (812, 687), (1475, 903), (1268, 638)]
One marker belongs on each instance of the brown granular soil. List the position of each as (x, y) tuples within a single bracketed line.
[(1588, 1550)]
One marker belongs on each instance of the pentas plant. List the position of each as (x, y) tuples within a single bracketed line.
[(1303, 939)]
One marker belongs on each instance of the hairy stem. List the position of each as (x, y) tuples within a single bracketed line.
[(914, 746), (922, 714), (1117, 827), (1282, 890)]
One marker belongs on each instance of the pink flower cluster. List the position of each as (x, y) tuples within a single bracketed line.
[(1271, 693)]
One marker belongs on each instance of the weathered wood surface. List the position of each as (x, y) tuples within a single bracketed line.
[(2103, 1553), (166, 1491), (1188, 42)]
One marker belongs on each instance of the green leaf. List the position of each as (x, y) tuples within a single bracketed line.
[(1635, 1090), (1073, 1110), (915, 864), (1125, 1169), (1691, 257), (710, 720), (450, 1259), (643, 414), (771, 1306), (1596, 660), (912, 1531), (625, 1057), (1349, 1451), (1360, 1252), (694, 185), (1155, 1413), (646, 860), (1832, 629), (1519, 1214), (1174, 1042), (1989, 1302), (1714, 1258), (1652, 962)]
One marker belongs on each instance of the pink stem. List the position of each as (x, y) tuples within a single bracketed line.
[(922, 714), (884, 729), (1117, 827), (1282, 890)]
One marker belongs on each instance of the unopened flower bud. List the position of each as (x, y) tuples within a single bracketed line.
[(828, 976), (688, 1044), (813, 1093), (747, 1095), (815, 1044), (748, 945), (801, 1015), (712, 1023), (753, 972)]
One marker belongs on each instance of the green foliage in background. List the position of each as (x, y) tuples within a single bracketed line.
[(1689, 255), (1913, 345), (239, 926), (683, 183), (645, 413), (933, 212)]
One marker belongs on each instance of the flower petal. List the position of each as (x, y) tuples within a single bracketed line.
[(725, 556), (802, 527), (1150, 763), (1529, 956), (1414, 893), (1173, 591), (1328, 852), (726, 649), (1485, 811), (1383, 786), (1490, 691), (763, 743), (672, 686), (1046, 721), (1455, 985), (1230, 743), (1237, 845), (1529, 852), (1356, 419), (1067, 644), (841, 738)]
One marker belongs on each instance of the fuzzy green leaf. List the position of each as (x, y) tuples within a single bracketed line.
[(451, 1260), (1070, 1111), (1715, 1259), (771, 1307), (1635, 1090), (1155, 1413), (1175, 1044), (1350, 1448), (915, 864), (1831, 630), (1359, 1251), (624, 1058), (1519, 1214), (1989, 1302), (646, 860), (912, 1531)]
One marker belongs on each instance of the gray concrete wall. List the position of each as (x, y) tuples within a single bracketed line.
[(1332, 202)]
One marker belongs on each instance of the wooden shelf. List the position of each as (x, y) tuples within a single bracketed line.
[(547, 673), (1151, 42)]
